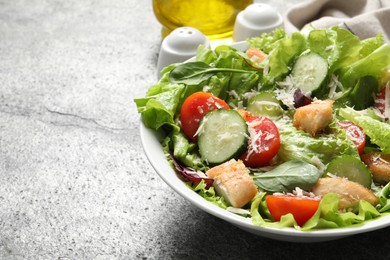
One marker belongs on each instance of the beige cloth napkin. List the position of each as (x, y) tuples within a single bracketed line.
[(364, 18)]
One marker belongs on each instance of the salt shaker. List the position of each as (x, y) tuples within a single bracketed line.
[(180, 45), (254, 20)]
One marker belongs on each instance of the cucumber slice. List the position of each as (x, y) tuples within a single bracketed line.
[(223, 135), (265, 104), (352, 168), (309, 72)]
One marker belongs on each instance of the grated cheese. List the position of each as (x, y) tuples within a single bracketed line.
[(200, 109), (250, 94), (299, 193), (206, 88), (286, 93), (201, 127), (329, 47), (210, 102), (234, 94), (256, 137), (333, 85), (268, 136)]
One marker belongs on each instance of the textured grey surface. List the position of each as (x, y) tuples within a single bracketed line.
[(74, 181)]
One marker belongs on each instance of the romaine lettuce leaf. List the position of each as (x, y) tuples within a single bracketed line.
[(299, 145), (267, 41), (371, 65), (209, 194), (281, 57), (384, 198), (327, 215), (377, 131)]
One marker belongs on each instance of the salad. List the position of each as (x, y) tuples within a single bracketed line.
[(293, 132)]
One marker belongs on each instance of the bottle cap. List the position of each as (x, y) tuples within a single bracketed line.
[(180, 45), (254, 20)]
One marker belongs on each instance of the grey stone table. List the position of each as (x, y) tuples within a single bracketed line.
[(74, 181)]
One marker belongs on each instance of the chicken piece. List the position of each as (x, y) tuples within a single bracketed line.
[(314, 117), (233, 182), (379, 165), (256, 55), (349, 192)]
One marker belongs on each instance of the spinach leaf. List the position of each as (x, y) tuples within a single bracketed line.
[(287, 176), (194, 73)]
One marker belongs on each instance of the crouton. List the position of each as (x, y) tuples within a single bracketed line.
[(314, 117), (349, 192), (233, 182), (379, 165), (256, 55)]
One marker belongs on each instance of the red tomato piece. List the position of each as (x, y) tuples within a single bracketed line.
[(302, 208), (194, 108), (355, 133), (264, 141)]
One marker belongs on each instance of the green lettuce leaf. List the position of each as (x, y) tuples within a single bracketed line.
[(299, 145), (267, 41), (282, 56), (327, 215), (384, 198), (209, 194), (371, 65), (377, 131)]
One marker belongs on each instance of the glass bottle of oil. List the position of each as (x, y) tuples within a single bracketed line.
[(214, 18)]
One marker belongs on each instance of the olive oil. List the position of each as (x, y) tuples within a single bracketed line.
[(214, 18)]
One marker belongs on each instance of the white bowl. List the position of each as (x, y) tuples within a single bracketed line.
[(151, 143)]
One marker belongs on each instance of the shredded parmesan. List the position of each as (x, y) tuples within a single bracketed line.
[(286, 93), (329, 48), (286, 96), (234, 94), (201, 127), (299, 193), (250, 94), (206, 88), (200, 109), (333, 85), (256, 138), (268, 136)]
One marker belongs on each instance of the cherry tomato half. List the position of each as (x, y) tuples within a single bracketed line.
[(302, 208), (264, 141), (194, 108), (355, 133)]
